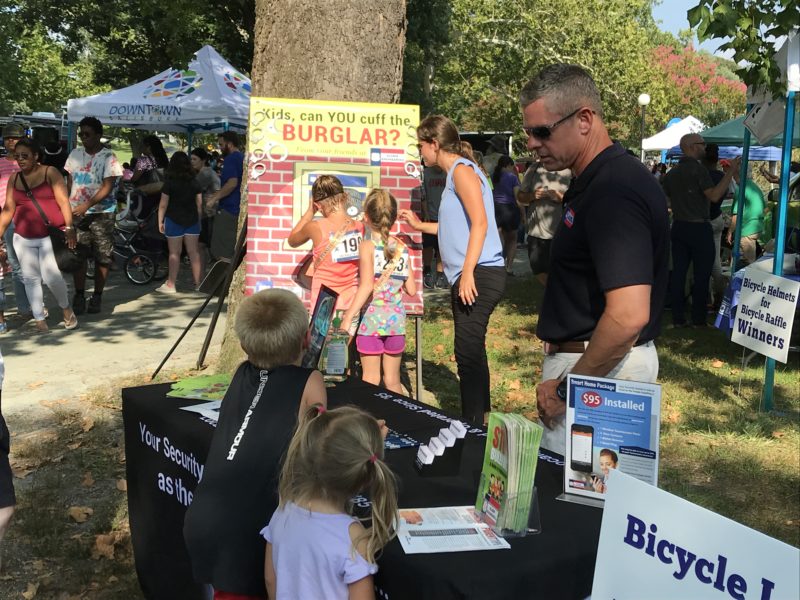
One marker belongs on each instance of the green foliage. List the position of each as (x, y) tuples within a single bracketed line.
[(129, 42), (35, 75), (497, 45), (479, 53), (50, 81), (752, 26), (427, 34), (51, 51)]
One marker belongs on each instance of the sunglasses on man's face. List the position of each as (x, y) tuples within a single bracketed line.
[(85, 134), (543, 132)]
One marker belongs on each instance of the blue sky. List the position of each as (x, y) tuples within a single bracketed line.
[(672, 17)]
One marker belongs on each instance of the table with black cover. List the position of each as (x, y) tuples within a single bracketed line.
[(162, 475)]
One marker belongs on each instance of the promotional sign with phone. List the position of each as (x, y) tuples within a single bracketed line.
[(611, 424)]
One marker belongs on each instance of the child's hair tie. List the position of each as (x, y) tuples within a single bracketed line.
[(373, 458)]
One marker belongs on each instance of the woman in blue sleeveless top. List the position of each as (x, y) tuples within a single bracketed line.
[(471, 255)]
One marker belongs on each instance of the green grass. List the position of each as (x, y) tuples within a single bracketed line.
[(44, 547), (717, 449)]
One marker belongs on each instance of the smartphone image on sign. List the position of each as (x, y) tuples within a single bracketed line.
[(581, 449)]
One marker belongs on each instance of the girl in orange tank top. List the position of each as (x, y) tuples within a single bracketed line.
[(336, 239)]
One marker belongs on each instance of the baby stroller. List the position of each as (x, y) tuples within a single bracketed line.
[(139, 247)]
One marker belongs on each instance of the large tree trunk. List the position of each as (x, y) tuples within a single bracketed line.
[(323, 50)]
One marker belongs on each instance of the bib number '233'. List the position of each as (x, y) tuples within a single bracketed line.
[(400, 271)]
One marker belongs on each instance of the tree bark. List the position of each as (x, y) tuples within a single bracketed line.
[(329, 50)]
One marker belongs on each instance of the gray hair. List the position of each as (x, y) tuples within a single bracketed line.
[(565, 88)]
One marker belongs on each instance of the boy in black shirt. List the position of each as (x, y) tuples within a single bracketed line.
[(238, 492)]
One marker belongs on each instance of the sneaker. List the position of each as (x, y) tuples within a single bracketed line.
[(441, 282), (94, 304), (167, 289), (79, 304), (427, 280), (3, 327)]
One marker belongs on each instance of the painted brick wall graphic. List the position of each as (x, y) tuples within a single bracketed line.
[(282, 166)]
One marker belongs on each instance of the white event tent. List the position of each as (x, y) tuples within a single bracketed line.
[(671, 136), (209, 96)]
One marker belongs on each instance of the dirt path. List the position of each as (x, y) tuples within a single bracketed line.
[(135, 330)]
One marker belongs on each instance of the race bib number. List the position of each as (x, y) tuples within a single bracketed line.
[(347, 248), (400, 271)]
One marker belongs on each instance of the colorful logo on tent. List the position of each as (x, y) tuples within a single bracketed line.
[(238, 83), (175, 85)]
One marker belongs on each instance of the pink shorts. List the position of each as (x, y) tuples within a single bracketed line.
[(380, 344)]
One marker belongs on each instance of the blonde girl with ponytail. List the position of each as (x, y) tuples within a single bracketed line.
[(315, 548), (384, 274)]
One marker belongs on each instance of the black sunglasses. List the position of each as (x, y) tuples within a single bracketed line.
[(543, 132), (84, 134)]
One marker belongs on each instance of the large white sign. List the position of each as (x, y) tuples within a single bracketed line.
[(654, 545), (765, 313)]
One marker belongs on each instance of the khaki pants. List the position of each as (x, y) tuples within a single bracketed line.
[(718, 280), (747, 249), (639, 364)]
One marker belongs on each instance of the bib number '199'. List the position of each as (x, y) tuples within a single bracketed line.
[(347, 249)]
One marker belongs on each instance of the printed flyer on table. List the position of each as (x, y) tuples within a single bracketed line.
[(446, 529), (611, 424)]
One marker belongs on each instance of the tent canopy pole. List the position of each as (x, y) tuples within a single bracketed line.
[(780, 228)]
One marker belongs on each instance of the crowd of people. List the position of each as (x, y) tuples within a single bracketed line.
[(270, 514), (76, 201), (81, 196), (605, 289)]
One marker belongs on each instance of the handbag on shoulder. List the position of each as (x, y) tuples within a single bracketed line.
[(68, 260)]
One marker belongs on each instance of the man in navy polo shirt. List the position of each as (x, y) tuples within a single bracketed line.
[(608, 259), (231, 177)]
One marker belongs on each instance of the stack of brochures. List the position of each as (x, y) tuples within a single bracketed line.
[(505, 492), (201, 387)]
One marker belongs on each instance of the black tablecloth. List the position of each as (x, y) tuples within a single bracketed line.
[(557, 563)]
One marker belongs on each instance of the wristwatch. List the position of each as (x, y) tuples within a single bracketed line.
[(561, 390)]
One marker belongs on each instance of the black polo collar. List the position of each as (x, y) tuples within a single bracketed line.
[(580, 183)]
